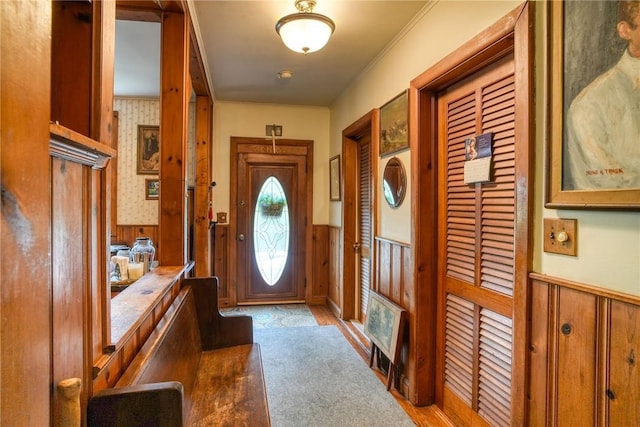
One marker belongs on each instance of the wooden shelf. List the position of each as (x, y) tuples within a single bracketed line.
[(71, 145)]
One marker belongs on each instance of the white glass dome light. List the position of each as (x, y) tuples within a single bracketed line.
[(305, 32)]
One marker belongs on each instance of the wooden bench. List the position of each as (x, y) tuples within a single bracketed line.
[(198, 368)]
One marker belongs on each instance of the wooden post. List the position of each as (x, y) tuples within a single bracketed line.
[(68, 403), (174, 97)]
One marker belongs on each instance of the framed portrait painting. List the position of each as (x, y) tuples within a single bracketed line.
[(394, 125), (148, 162), (594, 117), (334, 178)]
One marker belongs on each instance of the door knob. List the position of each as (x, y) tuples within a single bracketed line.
[(356, 246), (241, 237)]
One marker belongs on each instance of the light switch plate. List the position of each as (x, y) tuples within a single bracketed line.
[(553, 229)]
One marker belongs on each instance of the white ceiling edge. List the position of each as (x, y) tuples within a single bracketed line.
[(398, 37)]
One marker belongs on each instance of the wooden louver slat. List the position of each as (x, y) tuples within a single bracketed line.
[(495, 367), (461, 225), (497, 223), (459, 347), (365, 232)]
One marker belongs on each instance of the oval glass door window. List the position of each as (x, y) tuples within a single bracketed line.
[(271, 231)]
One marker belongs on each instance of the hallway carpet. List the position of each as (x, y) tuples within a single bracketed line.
[(315, 378), (275, 316)]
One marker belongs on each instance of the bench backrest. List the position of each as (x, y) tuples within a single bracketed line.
[(172, 351)]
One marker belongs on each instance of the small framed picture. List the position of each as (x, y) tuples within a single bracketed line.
[(334, 178), (151, 189), (148, 150), (394, 125)]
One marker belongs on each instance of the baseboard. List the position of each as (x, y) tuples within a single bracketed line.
[(334, 308)]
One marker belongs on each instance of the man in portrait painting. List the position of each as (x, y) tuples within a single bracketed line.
[(603, 121), (151, 155)]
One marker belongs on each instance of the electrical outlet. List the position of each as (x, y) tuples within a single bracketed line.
[(560, 236), (221, 217)]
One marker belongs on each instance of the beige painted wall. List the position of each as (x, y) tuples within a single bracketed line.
[(426, 40), (133, 208), (249, 120), (608, 242)]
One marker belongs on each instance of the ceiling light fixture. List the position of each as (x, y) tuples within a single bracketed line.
[(305, 31)]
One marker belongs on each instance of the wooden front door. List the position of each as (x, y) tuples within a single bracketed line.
[(270, 237)]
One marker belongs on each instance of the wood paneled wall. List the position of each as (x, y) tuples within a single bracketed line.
[(394, 280), (583, 350), (393, 271), (320, 266), (335, 270), (219, 262)]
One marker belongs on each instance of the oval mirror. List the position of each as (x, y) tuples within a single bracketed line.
[(394, 182)]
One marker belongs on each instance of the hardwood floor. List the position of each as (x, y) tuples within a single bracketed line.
[(429, 416)]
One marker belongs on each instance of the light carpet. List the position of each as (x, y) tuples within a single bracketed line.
[(275, 316), (315, 378)]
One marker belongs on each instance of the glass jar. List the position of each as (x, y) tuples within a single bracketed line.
[(143, 253)]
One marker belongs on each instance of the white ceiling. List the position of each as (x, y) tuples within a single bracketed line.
[(244, 53)]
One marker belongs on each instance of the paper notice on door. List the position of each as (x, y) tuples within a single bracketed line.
[(478, 170)]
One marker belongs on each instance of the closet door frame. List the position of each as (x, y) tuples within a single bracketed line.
[(512, 33)]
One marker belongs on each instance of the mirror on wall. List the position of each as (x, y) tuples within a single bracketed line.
[(394, 182)]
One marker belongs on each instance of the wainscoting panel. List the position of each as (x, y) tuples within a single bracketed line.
[(394, 280), (320, 264), (335, 270), (584, 343), (219, 262), (393, 264)]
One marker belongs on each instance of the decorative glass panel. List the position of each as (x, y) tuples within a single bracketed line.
[(271, 230)]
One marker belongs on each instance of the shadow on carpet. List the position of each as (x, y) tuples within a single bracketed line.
[(275, 316), (315, 378)]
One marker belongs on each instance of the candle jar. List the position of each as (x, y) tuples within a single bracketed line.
[(143, 252)]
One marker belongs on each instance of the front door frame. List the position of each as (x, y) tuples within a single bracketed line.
[(266, 146)]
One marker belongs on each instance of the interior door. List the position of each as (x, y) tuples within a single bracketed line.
[(476, 252), (270, 240), (365, 232)]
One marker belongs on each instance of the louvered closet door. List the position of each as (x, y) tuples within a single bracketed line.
[(476, 251), (365, 233)]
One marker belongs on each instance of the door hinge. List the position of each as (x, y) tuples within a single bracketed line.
[(305, 283)]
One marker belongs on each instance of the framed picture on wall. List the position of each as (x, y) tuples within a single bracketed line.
[(594, 118), (394, 125), (151, 189), (148, 150), (334, 178)]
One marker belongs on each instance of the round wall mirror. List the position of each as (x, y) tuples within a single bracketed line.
[(394, 182)]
